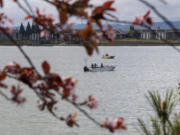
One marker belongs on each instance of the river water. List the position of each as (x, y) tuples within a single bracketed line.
[(120, 93)]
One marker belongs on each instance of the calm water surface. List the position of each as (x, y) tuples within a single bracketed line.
[(120, 93)]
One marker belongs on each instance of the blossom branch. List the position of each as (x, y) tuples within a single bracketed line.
[(20, 49), (29, 6), (81, 110), (38, 94), (35, 90), (22, 7), (161, 16)]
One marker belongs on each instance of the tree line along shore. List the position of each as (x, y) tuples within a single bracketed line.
[(31, 35)]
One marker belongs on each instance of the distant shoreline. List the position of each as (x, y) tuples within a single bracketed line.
[(103, 43)]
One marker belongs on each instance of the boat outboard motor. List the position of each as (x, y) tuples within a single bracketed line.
[(86, 69)]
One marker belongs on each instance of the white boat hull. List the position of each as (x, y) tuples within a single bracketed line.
[(102, 69)]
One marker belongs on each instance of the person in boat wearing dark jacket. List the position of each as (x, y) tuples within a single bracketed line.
[(86, 69), (95, 65), (102, 65)]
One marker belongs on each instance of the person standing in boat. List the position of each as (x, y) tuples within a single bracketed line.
[(95, 65), (92, 65), (102, 65)]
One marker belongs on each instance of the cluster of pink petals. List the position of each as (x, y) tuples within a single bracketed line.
[(44, 33), (69, 83), (112, 125), (99, 35), (139, 20), (91, 102), (12, 67), (143, 20), (69, 90), (71, 120), (109, 32), (6, 23), (46, 21), (16, 92)]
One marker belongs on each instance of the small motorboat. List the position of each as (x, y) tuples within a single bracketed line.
[(99, 69), (107, 57)]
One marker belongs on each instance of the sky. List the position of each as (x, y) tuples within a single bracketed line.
[(126, 9)]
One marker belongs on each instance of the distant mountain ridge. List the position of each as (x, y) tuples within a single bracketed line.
[(157, 25)]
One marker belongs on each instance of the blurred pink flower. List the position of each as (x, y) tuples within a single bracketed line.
[(113, 125), (139, 20), (6, 23), (69, 91), (91, 102), (99, 35), (109, 32), (44, 33), (143, 20)]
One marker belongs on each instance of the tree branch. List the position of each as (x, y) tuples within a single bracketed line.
[(161, 16)]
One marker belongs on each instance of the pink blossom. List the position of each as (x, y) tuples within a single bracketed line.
[(12, 68), (50, 17), (6, 23), (143, 20), (99, 35), (16, 95), (109, 32), (113, 125), (44, 33), (91, 102), (139, 20), (68, 85), (71, 120)]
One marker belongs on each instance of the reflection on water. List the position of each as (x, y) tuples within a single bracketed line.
[(120, 93)]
